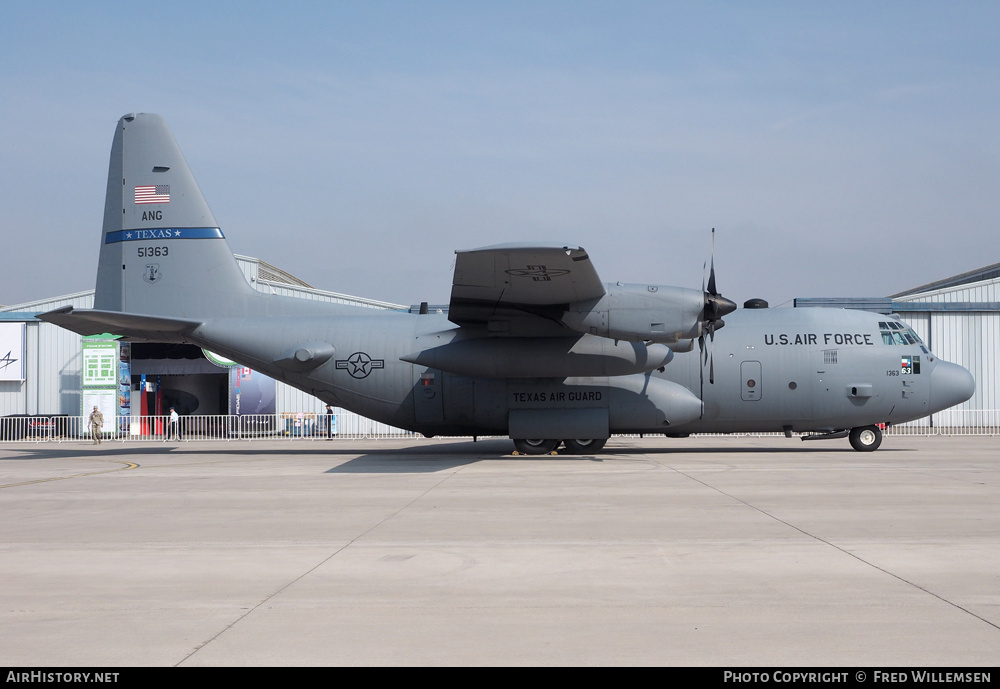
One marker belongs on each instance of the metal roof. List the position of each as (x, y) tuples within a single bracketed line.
[(988, 273), (898, 303)]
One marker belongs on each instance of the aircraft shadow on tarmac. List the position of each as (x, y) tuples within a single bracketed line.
[(421, 457)]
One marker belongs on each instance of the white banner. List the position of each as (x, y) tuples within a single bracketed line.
[(106, 402), (12, 351)]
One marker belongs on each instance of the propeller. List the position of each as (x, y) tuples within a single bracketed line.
[(716, 306)]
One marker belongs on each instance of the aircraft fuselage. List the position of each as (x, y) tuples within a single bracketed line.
[(774, 370)]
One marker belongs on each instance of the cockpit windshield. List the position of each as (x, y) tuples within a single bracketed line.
[(895, 333)]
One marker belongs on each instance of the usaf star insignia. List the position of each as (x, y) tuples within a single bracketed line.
[(359, 364)]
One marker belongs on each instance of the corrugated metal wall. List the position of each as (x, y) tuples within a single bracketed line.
[(53, 370), (53, 363), (13, 392), (968, 338), (921, 324)]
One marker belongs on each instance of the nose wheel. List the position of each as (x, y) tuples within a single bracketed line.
[(866, 438)]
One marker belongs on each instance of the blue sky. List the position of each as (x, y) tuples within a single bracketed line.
[(840, 149)]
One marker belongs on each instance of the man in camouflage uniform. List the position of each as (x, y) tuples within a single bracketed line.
[(96, 421)]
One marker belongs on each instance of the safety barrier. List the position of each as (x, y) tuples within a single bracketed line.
[(290, 426), (312, 426)]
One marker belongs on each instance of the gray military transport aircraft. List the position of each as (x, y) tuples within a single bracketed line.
[(534, 346)]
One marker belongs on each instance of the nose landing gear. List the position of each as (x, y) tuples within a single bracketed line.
[(866, 438)]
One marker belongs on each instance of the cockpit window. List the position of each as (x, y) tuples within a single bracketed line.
[(895, 333)]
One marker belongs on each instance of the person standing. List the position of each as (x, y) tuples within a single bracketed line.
[(329, 422), (96, 421), (175, 425)]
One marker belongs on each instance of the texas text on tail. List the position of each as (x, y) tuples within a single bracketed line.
[(534, 345)]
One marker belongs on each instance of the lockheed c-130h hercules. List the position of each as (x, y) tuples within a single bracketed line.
[(534, 345)]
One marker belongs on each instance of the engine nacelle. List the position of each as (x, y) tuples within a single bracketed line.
[(634, 313)]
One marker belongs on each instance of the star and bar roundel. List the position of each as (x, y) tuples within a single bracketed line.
[(359, 364)]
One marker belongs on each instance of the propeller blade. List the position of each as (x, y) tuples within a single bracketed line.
[(701, 371), (711, 354), (711, 276), (716, 306)]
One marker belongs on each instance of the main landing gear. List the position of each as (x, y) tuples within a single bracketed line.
[(863, 439), (574, 446)]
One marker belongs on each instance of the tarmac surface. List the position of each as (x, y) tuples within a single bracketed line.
[(719, 551)]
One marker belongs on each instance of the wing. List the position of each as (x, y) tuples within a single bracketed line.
[(521, 289)]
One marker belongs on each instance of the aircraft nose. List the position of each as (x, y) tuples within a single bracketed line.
[(950, 385)]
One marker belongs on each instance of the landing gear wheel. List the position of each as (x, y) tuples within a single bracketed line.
[(535, 447), (866, 438), (590, 446)]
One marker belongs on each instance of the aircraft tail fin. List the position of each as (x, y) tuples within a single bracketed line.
[(162, 252)]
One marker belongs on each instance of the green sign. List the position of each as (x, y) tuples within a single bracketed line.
[(100, 364)]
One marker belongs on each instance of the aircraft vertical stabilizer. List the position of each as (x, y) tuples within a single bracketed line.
[(162, 252)]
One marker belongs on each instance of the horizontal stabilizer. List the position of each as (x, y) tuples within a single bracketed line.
[(129, 325)]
